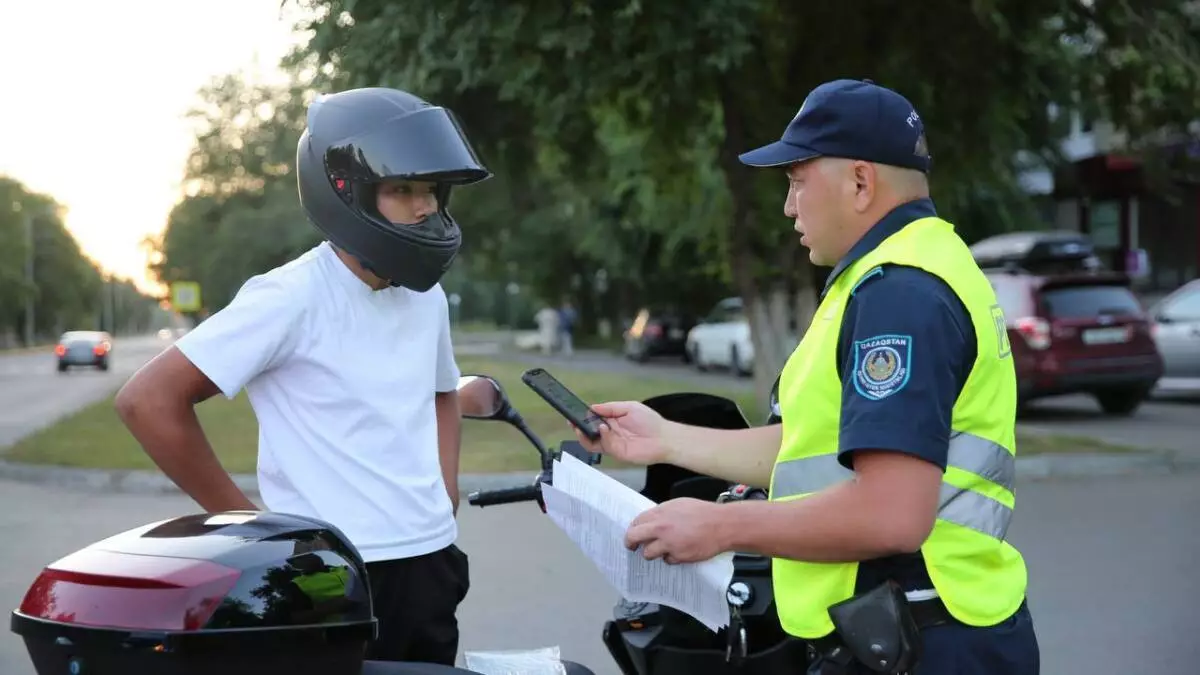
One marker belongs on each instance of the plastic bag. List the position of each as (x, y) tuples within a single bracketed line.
[(544, 661)]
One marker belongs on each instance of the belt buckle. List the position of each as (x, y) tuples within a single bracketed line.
[(921, 595), (929, 612)]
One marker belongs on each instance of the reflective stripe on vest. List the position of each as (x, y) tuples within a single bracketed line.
[(988, 460)]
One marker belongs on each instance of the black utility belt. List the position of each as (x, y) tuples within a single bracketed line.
[(880, 629)]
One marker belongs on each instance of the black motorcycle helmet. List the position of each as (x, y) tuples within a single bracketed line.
[(357, 138)]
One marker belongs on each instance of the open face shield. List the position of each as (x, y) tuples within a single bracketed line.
[(427, 145)]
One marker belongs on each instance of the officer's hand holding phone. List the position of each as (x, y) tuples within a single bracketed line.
[(626, 430), (631, 432)]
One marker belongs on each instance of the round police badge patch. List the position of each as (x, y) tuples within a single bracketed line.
[(881, 365)]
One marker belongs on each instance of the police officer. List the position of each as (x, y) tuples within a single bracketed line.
[(891, 475)]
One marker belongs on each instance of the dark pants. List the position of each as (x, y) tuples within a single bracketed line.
[(1008, 648), (415, 600)]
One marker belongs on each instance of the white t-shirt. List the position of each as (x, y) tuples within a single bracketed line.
[(342, 381)]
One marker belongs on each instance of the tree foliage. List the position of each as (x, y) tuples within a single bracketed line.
[(613, 130), (68, 290), (240, 215), (621, 121)]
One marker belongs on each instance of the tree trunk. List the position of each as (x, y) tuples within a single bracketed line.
[(769, 315), (777, 316), (587, 315)]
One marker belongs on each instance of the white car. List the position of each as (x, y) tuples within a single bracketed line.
[(1176, 331), (723, 339)]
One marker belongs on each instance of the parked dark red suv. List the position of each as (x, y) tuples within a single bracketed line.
[(1073, 326)]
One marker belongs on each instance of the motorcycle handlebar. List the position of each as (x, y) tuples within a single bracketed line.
[(526, 493)]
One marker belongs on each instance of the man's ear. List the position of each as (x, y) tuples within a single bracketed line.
[(865, 178)]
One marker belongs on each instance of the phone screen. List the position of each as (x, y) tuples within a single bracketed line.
[(562, 395)]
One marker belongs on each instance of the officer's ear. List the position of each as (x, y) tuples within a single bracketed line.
[(865, 178)]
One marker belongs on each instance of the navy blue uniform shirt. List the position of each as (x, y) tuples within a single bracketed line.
[(921, 322)]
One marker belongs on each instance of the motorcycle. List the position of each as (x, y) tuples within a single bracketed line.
[(159, 580), (236, 593), (646, 638)]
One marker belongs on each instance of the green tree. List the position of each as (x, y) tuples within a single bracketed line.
[(644, 107), (552, 221), (14, 287), (239, 215), (68, 292), (63, 279)]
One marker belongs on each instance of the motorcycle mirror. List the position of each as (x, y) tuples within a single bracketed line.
[(481, 397)]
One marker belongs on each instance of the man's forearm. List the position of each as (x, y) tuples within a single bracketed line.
[(842, 523), (739, 456), (174, 440), (449, 426)]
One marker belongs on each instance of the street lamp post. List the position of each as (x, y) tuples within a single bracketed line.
[(29, 308), (455, 300), (108, 302), (513, 289), (30, 284)]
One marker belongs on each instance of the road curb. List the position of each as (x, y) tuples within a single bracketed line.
[(153, 482)]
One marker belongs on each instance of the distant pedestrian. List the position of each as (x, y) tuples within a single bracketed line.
[(547, 323), (566, 327)]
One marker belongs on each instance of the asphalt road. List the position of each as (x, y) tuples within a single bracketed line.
[(1113, 587), (1164, 424), (33, 394)]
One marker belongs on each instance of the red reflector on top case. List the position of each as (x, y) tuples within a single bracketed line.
[(118, 590)]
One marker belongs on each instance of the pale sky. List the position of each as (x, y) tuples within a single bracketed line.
[(92, 101)]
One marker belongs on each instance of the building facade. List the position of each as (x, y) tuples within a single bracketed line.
[(1143, 218)]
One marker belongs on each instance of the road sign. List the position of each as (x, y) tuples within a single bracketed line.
[(185, 296)]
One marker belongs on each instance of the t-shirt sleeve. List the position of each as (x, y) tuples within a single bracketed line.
[(447, 367), (905, 350), (254, 333)]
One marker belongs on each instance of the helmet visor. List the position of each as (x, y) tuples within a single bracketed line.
[(425, 145)]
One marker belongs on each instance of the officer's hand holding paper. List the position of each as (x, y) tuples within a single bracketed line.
[(595, 510)]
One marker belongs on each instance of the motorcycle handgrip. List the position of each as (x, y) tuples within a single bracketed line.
[(526, 493)]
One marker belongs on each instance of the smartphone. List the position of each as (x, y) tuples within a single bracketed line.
[(564, 401)]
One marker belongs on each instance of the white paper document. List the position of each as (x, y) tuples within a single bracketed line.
[(595, 510)]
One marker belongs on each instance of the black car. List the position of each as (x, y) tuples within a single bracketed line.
[(658, 332)]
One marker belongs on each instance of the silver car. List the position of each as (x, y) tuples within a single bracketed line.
[(1176, 331), (83, 348)]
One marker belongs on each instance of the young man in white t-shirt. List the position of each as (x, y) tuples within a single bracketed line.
[(345, 355)]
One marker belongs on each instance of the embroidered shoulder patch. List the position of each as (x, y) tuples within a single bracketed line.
[(881, 365)]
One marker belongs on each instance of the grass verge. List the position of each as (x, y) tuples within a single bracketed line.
[(95, 438), (39, 347), (1043, 443)]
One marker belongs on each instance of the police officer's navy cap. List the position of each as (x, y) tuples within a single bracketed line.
[(853, 119)]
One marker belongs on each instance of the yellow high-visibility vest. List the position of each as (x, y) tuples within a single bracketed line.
[(978, 575)]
